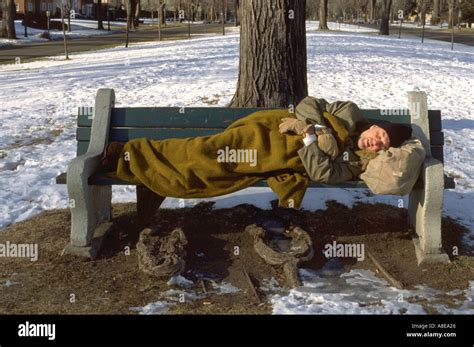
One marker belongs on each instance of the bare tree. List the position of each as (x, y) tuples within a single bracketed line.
[(450, 14), (423, 4), (372, 6), (8, 19), (100, 25), (137, 13), (323, 15), (236, 11), (276, 75), (435, 18), (130, 7), (386, 10), (64, 8)]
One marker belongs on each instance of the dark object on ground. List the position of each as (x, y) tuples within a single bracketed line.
[(45, 35), (286, 250), (161, 256)]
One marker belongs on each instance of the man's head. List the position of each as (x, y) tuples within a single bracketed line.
[(383, 136)]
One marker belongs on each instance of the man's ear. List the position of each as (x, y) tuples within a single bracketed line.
[(373, 126)]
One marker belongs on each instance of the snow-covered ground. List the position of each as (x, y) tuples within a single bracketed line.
[(39, 102), (79, 28)]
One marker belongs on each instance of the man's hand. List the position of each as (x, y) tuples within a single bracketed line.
[(327, 143), (293, 125)]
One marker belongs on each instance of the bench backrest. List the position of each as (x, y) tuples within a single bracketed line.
[(159, 123)]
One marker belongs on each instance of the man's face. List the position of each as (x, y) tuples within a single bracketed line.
[(374, 139)]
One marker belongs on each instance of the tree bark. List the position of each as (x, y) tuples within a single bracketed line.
[(66, 51), (450, 14), (372, 9), (131, 6), (272, 68), (8, 19), (163, 12), (435, 19), (384, 24), (137, 13), (423, 12), (100, 25), (323, 15), (236, 10)]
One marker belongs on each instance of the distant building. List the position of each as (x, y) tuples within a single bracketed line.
[(83, 7)]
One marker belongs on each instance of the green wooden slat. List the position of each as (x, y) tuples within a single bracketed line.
[(169, 117), (124, 134), (437, 138), (217, 117), (434, 118), (82, 147), (437, 153)]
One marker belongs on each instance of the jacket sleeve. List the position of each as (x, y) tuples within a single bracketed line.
[(310, 110), (321, 169)]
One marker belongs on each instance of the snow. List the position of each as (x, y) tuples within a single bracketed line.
[(174, 297), (354, 28), (39, 103), (361, 292), (79, 29), (180, 281)]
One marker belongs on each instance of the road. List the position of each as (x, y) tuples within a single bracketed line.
[(43, 49)]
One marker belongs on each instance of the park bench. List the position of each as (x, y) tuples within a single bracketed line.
[(90, 191)]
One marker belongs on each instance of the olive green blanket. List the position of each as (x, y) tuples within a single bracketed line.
[(247, 151)]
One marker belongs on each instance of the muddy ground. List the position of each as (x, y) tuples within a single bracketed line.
[(112, 283)]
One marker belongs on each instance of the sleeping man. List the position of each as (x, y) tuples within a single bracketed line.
[(339, 142), (322, 142)]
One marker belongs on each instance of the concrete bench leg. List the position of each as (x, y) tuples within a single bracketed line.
[(426, 205), (91, 210), (425, 208)]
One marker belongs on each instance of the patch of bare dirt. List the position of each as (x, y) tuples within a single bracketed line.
[(218, 249)]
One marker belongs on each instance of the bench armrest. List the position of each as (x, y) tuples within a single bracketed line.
[(432, 175), (83, 166)]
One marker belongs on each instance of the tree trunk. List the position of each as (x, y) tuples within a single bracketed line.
[(435, 19), (66, 51), (236, 11), (323, 15), (8, 19), (450, 13), (130, 8), (372, 4), (100, 25), (272, 68), (137, 13), (423, 12), (163, 13), (384, 24)]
